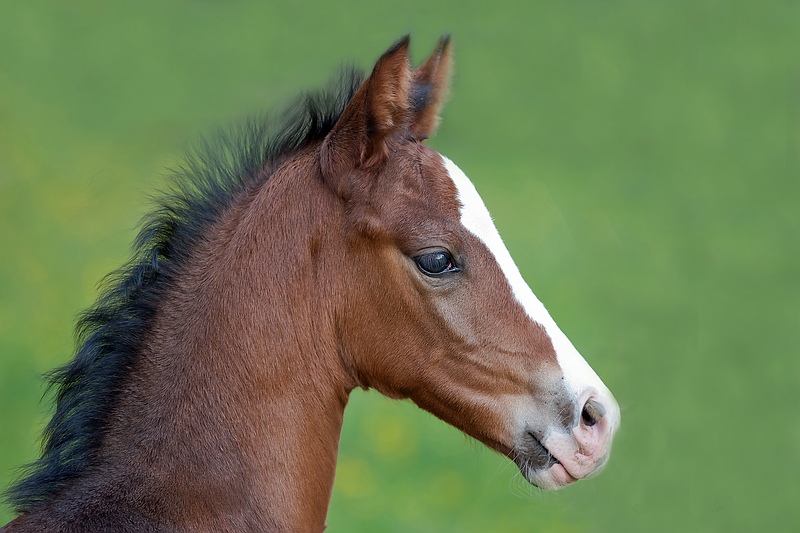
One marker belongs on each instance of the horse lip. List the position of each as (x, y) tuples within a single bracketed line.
[(552, 461)]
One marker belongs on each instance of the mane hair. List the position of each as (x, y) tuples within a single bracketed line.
[(110, 333)]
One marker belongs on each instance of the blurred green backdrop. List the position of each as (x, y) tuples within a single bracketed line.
[(640, 159)]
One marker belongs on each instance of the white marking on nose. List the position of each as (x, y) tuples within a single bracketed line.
[(475, 217)]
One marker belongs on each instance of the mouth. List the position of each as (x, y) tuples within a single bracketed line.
[(537, 455), (540, 467)]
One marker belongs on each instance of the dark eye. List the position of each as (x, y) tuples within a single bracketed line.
[(436, 263)]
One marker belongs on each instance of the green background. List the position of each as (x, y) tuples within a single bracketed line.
[(641, 162)]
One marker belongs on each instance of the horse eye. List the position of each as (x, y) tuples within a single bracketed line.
[(436, 263)]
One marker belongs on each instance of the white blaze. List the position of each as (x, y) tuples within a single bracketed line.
[(579, 376)]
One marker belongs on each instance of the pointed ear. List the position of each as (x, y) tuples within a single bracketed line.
[(430, 85), (379, 109)]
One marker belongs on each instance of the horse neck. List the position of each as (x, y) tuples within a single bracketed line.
[(234, 408)]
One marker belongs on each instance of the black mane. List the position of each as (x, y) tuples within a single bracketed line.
[(110, 333)]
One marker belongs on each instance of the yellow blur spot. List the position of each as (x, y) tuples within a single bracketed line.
[(354, 478), (394, 440)]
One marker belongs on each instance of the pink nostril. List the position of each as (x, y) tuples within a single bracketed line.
[(592, 412)]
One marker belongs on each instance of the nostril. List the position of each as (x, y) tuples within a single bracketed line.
[(592, 412)]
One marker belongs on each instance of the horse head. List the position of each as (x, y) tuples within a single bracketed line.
[(436, 309)]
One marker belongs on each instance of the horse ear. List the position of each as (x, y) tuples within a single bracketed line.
[(379, 109), (430, 85)]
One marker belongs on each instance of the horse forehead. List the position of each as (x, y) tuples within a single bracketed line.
[(473, 214), (420, 178)]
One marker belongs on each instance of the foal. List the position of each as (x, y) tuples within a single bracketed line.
[(211, 377)]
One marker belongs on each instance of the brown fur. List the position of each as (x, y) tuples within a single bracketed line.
[(305, 290)]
